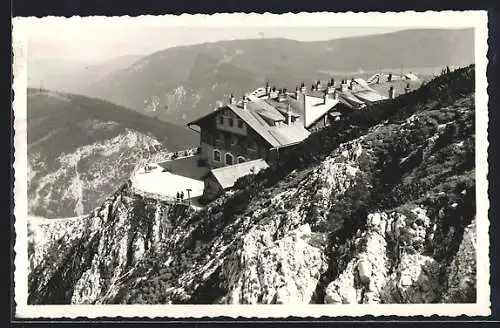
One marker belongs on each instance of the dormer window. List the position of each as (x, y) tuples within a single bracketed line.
[(240, 124), (221, 119), (231, 121)]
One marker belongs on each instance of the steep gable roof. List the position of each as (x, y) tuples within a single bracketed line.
[(277, 136), (369, 95), (295, 106), (255, 115), (201, 118), (349, 99), (361, 81), (316, 93), (316, 109), (411, 76)]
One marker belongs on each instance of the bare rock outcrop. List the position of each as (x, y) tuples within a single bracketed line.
[(388, 265), (277, 272), (462, 270)]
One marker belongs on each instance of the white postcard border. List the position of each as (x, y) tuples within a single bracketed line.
[(445, 19)]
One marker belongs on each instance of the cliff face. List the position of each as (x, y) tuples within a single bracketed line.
[(80, 260), (387, 216)]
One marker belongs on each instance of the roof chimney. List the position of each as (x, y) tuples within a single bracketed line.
[(303, 88), (245, 102), (288, 115), (331, 86), (232, 99), (282, 95), (274, 93), (304, 104)]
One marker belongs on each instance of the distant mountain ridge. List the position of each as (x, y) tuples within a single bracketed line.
[(73, 76), (188, 81), (180, 83), (80, 148)]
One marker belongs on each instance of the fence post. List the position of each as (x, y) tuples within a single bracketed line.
[(189, 197)]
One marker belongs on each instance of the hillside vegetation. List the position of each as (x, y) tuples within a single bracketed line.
[(80, 148), (377, 209)]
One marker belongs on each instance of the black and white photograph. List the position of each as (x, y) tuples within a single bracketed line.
[(312, 164)]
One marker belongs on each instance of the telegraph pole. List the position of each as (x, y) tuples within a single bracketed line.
[(189, 197)]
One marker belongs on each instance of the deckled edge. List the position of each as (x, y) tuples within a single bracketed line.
[(481, 308), (19, 233), (290, 19)]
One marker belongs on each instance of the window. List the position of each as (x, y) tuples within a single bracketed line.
[(216, 155), (221, 119), (252, 145), (229, 159), (241, 159), (231, 121), (240, 124), (234, 140), (219, 137)]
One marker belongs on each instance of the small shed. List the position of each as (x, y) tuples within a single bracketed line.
[(224, 178)]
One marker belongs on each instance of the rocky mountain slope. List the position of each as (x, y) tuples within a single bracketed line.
[(182, 83), (378, 209), (80, 149)]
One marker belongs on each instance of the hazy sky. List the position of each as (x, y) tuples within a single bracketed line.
[(85, 40)]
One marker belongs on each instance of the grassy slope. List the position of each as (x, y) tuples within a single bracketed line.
[(49, 111)]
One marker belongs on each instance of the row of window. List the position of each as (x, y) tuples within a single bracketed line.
[(230, 121), (235, 140), (229, 158)]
